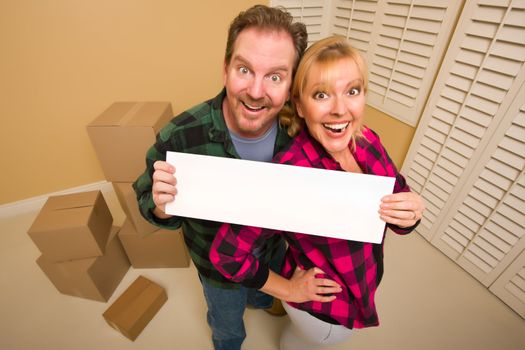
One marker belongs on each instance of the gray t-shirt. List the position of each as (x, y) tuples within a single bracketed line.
[(259, 149)]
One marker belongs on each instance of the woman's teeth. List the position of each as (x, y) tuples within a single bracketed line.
[(336, 127)]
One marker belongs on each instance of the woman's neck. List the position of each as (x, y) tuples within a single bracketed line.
[(347, 161)]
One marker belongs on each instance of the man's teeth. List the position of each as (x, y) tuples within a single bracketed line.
[(337, 127), (254, 108)]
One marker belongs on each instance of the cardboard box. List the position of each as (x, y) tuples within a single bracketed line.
[(72, 226), (136, 307), (162, 248), (128, 201), (123, 133), (92, 278)]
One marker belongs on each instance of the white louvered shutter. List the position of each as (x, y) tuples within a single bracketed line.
[(510, 286), (488, 229), (403, 42), (409, 40), (313, 13), (467, 158), (354, 19)]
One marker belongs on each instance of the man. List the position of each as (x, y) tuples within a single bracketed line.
[(262, 52)]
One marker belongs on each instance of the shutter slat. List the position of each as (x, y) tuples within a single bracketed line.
[(509, 225), (449, 173), (512, 214), (477, 115), (479, 262), (452, 243), (477, 206), (465, 232), (504, 234), (508, 172), (488, 92), (461, 240), (459, 82), (484, 197), (464, 137), (496, 179), (467, 222), (503, 65), (464, 70), (495, 239), (467, 126), (455, 157), (486, 186), (489, 249)]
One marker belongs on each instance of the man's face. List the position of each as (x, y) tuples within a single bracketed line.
[(257, 80)]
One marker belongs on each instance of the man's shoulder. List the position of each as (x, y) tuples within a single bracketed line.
[(198, 116)]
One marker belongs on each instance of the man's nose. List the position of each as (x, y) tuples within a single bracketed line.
[(256, 88)]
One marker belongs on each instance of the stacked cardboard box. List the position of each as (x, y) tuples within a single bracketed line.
[(81, 252), (121, 136)]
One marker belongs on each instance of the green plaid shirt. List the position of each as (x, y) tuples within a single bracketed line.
[(199, 130)]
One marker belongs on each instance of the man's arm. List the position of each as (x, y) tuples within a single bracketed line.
[(156, 187)]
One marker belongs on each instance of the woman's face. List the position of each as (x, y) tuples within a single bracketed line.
[(332, 104)]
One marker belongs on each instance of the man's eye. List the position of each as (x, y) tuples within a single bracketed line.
[(243, 70), (320, 95), (275, 78)]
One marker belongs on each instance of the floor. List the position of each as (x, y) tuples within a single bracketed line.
[(425, 302)]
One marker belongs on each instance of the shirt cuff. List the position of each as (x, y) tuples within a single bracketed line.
[(260, 278), (404, 230)]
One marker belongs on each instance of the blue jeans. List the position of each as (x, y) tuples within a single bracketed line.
[(226, 308)]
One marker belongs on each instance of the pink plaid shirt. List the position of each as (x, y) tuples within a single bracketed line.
[(356, 266)]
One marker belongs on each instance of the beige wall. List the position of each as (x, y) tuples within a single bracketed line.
[(63, 62), (395, 135)]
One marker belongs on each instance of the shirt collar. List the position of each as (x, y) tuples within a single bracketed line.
[(218, 132), (318, 156)]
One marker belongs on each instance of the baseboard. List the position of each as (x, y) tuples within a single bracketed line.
[(36, 203)]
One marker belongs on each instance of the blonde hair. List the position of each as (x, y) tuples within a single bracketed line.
[(325, 53)]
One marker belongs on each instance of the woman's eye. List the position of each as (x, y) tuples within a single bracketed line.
[(354, 91), (320, 95), (243, 70)]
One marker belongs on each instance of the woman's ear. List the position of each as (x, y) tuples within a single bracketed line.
[(299, 108)]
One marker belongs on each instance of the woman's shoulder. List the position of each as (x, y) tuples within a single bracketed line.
[(295, 153), (370, 135)]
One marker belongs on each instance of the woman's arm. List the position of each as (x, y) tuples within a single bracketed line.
[(232, 255)]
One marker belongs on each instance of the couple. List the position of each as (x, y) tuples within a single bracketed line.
[(329, 283)]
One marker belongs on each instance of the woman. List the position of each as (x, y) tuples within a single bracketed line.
[(328, 95)]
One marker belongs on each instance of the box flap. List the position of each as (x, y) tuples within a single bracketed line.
[(70, 201), (148, 114), (133, 114), (114, 114), (126, 298)]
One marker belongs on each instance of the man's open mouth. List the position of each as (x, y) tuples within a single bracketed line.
[(253, 108)]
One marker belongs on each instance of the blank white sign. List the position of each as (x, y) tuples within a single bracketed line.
[(313, 201)]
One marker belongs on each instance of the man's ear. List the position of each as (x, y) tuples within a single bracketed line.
[(224, 72)]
